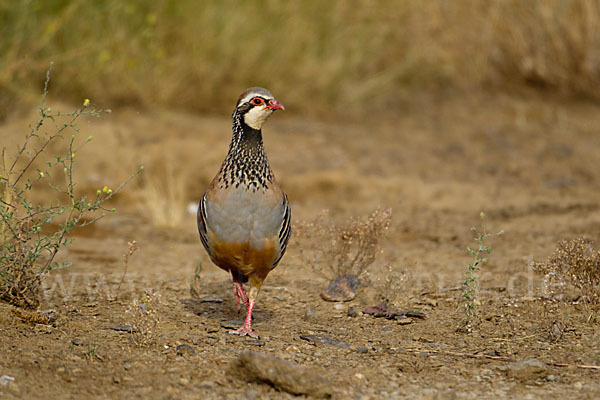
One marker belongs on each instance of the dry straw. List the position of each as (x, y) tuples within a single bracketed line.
[(575, 263)]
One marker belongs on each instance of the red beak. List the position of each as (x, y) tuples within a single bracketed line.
[(275, 105)]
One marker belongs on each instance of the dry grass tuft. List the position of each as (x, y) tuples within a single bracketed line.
[(394, 286), (143, 317), (576, 263), (163, 195), (340, 250)]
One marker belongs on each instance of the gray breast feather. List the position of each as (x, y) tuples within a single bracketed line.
[(240, 218)]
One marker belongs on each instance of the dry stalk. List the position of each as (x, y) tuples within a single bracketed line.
[(144, 319), (339, 250), (575, 263), (131, 249)]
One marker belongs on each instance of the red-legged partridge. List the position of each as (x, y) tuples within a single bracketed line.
[(244, 217)]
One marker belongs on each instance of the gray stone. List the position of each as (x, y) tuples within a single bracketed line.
[(121, 328), (528, 370), (282, 374), (324, 339)]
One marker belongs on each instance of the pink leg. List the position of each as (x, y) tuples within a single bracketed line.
[(237, 297), (238, 291), (246, 329)]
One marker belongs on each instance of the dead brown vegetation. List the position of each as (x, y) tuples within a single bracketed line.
[(347, 249), (575, 263)]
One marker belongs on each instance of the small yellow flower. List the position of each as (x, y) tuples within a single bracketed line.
[(98, 191), (42, 174), (109, 191), (65, 170), (482, 214), (86, 102), (90, 138), (38, 229), (105, 189), (72, 155)]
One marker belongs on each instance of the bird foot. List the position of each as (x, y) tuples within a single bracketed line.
[(239, 293), (245, 330)]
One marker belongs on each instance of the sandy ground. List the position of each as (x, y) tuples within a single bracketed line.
[(530, 164)]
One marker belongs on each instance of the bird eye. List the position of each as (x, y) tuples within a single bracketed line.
[(257, 101)]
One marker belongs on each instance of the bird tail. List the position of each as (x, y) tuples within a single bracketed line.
[(240, 277)]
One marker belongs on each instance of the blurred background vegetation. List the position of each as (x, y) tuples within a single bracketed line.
[(315, 55)]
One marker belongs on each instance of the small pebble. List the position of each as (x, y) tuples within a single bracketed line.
[(231, 324), (76, 341), (351, 312), (405, 321), (250, 395), (310, 314), (206, 384), (211, 300), (121, 328), (324, 339), (184, 349), (362, 350), (254, 342), (343, 288)]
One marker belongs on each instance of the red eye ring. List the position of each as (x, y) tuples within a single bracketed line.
[(257, 101)]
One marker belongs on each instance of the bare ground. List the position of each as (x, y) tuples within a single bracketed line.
[(530, 164)]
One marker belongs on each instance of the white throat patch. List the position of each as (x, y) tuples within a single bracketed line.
[(256, 117)]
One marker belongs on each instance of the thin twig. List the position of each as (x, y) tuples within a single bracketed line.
[(515, 339), (132, 248), (497, 358), (459, 354), (583, 366)]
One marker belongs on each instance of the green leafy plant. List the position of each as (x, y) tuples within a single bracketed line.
[(471, 282), (33, 232)]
